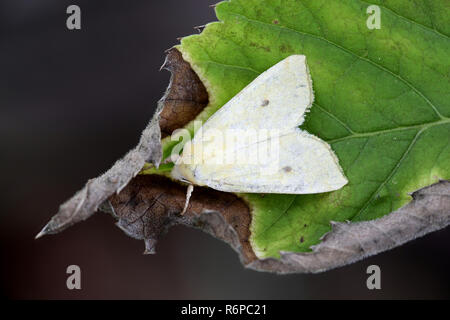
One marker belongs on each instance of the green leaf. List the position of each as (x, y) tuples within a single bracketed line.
[(382, 101)]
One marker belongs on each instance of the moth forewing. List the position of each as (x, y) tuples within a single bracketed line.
[(254, 144)]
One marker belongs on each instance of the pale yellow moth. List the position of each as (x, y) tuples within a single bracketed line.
[(273, 106)]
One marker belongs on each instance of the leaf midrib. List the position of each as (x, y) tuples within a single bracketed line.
[(374, 133)]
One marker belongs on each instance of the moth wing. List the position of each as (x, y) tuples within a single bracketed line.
[(303, 164), (277, 98), (275, 102)]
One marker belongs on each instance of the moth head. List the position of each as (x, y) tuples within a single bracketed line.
[(182, 173)]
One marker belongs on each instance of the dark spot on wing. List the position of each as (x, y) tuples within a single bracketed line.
[(287, 169), (265, 103)]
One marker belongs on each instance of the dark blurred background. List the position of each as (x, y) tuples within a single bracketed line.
[(73, 102)]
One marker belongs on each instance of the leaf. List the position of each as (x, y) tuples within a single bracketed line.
[(349, 242), (151, 204), (382, 102), (186, 96)]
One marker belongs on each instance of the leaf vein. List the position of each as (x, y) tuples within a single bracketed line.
[(407, 83), (347, 127), (392, 173)]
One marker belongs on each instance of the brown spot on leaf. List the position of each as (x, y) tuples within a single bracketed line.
[(275, 21), (151, 204), (302, 239), (285, 48), (186, 96), (259, 46)]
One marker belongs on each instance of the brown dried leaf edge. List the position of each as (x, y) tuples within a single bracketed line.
[(146, 206)]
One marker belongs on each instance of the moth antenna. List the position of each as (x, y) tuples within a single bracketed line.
[(190, 188)]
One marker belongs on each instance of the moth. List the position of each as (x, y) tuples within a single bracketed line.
[(267, 112)]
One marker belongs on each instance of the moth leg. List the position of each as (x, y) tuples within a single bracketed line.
[(190, 188)]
